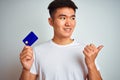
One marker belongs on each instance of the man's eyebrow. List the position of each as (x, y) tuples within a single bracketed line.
[(62, 15), (73, 16), (66, 15)]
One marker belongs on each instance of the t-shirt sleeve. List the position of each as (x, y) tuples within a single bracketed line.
[(34, 68)]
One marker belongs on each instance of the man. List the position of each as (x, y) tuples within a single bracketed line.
[(60, 58)]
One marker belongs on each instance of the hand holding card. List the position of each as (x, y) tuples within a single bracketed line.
[(30, 39)]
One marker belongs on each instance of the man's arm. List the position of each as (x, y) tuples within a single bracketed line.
[(26, 58), (26, 75), (93, 73), (91, 52)]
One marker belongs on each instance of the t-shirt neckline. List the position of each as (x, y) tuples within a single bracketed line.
[(58, 45)]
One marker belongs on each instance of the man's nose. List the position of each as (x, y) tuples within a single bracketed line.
[(68, 22)]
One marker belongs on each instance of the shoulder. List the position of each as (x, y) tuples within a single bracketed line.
[(41, 48), (42, 45), (80, 44)]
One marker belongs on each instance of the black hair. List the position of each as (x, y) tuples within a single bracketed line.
[(60, 4)]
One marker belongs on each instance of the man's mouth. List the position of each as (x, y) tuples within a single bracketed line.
[(67, 29)]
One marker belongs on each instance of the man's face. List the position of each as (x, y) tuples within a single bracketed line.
[(63, 22)]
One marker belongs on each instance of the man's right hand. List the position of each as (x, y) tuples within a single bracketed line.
[(26, 58)]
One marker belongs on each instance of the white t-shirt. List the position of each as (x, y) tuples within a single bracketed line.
[(59, 62)]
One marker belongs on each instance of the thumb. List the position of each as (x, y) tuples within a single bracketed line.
[(100, 47)]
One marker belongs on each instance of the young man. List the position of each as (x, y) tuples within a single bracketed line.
[(60, 58)]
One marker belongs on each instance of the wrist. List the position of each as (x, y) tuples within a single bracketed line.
[(26, 70), (91, 66)]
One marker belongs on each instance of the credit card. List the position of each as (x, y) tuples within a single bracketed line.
[(30, 39)]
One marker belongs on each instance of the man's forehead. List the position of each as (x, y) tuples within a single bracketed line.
[(65, 12)]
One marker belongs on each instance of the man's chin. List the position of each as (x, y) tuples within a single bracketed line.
[(67, 36)]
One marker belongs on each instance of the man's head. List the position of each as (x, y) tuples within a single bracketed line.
[(62, 18), (54, 5)]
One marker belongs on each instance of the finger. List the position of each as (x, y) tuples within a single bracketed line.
[(85, 52), (25, 58), (87, 49), (26, 48), (27, 51), (93, 46), (90, 48), (100, 47), (26, 54)]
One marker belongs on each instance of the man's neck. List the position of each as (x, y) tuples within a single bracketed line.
[(62, 41)]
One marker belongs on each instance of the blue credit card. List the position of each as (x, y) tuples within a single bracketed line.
[(30, 39)]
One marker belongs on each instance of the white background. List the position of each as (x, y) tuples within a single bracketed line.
[(98, 22)]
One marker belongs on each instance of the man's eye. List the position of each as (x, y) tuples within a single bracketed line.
[(62, 18), (73, 18)]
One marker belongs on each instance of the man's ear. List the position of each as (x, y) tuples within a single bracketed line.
[(50, 20)]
